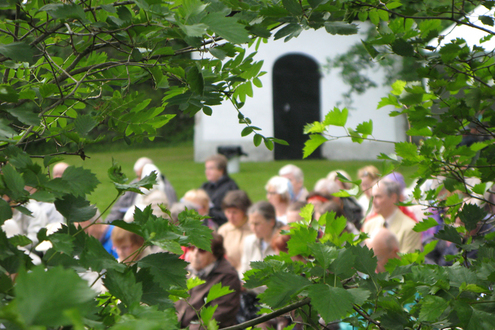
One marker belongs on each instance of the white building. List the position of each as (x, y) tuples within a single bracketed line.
[(295, 91)]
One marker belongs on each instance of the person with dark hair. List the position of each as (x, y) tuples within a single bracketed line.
[(213, 268), (217, 186), (294, 210), (235, 206)]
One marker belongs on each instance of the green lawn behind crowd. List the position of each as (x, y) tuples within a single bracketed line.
[(177, 163)]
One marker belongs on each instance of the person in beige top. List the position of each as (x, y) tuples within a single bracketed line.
[(235, 205), (386, 195), (259, 244)]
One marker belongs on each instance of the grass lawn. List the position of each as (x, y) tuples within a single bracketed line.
[(177, 163)]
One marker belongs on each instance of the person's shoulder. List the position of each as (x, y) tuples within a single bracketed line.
[(406, 220), (250, 239), (225, 228)]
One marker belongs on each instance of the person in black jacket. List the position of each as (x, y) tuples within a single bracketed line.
[(217, 186)]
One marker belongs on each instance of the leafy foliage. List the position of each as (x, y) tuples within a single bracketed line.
[(66, 71)]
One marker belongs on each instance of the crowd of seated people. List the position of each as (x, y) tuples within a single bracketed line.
[(245, 232)]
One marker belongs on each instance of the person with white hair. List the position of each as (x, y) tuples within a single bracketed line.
[(279, 193), (296, 178), (143, 167)]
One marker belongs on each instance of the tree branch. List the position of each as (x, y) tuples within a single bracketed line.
[(269, 316)]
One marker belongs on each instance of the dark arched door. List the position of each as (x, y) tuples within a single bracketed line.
[(296, 101)]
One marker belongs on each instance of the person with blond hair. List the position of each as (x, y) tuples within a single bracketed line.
[(368, 176)]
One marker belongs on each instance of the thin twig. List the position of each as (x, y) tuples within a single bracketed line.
[(269, 316)]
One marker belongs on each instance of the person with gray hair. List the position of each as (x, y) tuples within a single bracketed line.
[(261, 219), (296, 178), (280, 194), (386, 194)]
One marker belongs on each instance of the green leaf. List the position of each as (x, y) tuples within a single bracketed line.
[(300, 239), (486, 20), (365, 128), (341, 28), (5, 130), (449, 233), (369, 48), (218, 52), (393, 5), (123, 286), (146, 182), (365, 260), (195, 80), (63, 243), (471, 215), (193, 230), (17, 51), (406, 150), (307, 212), (217, 291), (64, 11), (425, 131), (84, 124), (398, 87), (343, 265), (207, 314), (323, 254), (289, 29), (43, 296), (359, 295), (425, 225), (316, 3), (331, 303), (293, 7), (403, 48), (193, 282), (167, 269), (79, 180), (95, 256), (226, 27), (374, 18), (75, 209), (25, 115), (47, 90), (336, 117), (315, 140), (194, 30), (246, 131), (14, 182), (20, 240), (257, 138), (281, 287), (8, 94), (268, 144), (5, 211), (207, 111), (115, 173), (431, 308)]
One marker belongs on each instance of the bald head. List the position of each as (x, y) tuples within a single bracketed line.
[(59, 169), (385, 245)]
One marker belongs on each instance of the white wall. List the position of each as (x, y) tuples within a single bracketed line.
[(222, 127)]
